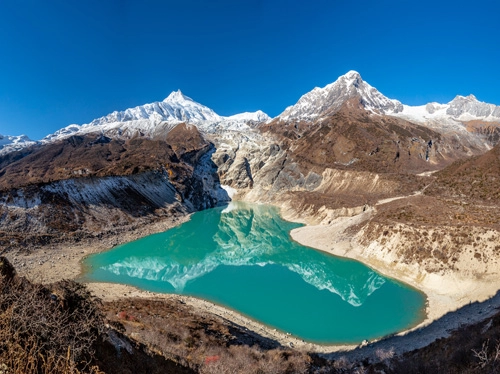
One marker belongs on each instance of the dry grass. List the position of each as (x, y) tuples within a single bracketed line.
[(202, 342), (476, 179), (46, 329)]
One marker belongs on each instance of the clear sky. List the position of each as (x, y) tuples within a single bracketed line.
[(64, 62)]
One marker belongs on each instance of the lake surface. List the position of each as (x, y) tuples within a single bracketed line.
[(241, 256)]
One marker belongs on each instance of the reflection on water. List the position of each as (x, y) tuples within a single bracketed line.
[(242, 256), (247, 235)]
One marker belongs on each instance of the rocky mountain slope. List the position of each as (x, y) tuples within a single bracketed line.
[(411, 191), (90, 185), (475, 124), (475, 179), (324, 149)]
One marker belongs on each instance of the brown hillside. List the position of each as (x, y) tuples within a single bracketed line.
[(96, 155), (488, 130), (355, 139), (85, 156), (476, 179), (186, 141)]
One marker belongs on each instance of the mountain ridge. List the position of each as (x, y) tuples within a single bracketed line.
[(158, 118), (321, 101), (10, 143), (327, 100), (176, 108)]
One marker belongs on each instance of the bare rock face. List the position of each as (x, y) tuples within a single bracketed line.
[(239, 174), (88, 185), (470, 105), (248, 161)]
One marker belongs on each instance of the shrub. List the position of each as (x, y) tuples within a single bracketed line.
[(46, 329)]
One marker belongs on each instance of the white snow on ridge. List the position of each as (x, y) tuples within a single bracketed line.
[(156, 119), (327, 100), (10, 143), (460, 109), (160, 117), (331, 97), (258, 116)]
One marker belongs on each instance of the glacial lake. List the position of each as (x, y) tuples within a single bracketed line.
[(242, 256)]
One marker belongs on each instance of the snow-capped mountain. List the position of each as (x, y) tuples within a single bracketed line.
[(460, 109), (160, 117), (175, 108), (10, 143), (330, 98)]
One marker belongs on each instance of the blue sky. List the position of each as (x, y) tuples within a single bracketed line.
[(64, 62)]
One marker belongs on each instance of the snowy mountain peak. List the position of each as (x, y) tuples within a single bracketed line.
[(462, 99), (175, 108), (468, 107), (352, 77), (159, 117), (352, 74), (329, 99), (177, 97), (10, 143)]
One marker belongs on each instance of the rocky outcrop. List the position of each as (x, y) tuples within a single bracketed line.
[(93, 185)]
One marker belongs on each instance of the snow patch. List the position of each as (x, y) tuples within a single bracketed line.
[(230, 190)]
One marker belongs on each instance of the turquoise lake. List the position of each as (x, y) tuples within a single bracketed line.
[(241, 256)]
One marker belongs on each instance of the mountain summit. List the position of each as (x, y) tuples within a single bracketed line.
[(461, 105), (175, 108), (159, 117), (329, 99), (321, 102), (176, 96)]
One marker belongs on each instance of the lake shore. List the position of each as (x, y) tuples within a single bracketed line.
[(446, 291), (452, 299), (62, 262)]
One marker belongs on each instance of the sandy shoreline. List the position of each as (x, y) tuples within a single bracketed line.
[(65, 261), (451, 300), (445, 292)]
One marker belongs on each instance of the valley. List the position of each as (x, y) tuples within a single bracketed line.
[(412, 192)]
